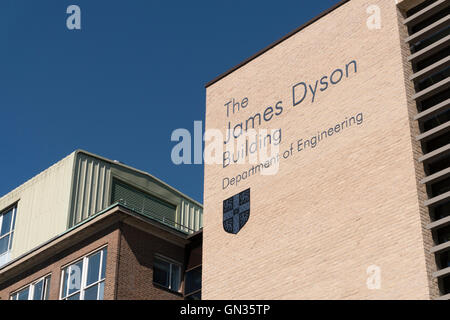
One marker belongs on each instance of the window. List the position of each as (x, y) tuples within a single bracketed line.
[(7, 221), (85, 278), (144, 203), (443, 234), (446, 285), (38, 290), (193, 284), (444, 260), (167, 274)]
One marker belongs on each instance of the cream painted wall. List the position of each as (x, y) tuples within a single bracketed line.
[(42, 206)]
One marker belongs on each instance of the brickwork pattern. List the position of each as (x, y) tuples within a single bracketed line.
[(331, 212), (129, 270), (137, 251), (55, 265)]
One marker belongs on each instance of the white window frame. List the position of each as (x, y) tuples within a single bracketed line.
[(83, 287), (11, 228), (172, 263), (31, 287)]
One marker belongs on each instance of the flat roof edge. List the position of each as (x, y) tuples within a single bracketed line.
[(96, 218), (274, 44)]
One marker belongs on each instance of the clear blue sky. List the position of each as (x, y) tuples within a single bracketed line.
[(120, 86)]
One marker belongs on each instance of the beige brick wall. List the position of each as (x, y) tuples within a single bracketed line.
[(331, 212)]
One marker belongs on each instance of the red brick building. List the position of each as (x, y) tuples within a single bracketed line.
[(136, 252), (133, 249)]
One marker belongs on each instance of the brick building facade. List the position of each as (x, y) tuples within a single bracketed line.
[(353, 200), (115, 233), (131, 244)]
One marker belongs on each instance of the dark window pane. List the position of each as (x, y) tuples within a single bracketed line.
[(6, 223), (91, 293), (193, 280), (93, 268), (4, 244), (161, 270), (104, 264), (445, 260), (440, 187), (38, 290), (175, 280), (446, 285), (444, 234), (23, 295), (74, 297), (74, 282)]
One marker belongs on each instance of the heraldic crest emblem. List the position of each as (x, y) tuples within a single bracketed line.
[(236, 212)]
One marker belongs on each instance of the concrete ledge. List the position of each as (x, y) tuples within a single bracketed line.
[(431, 49), (440, 86), (430, 112), (440, 247), (442, 23), (110, 216), (436, 154), (446, 297), (426, 12), (441, 64), (437, 200), (439, 223), (438, 176), (443, 128), (441, 273)]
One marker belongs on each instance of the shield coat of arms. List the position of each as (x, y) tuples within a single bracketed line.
[(236, 212)]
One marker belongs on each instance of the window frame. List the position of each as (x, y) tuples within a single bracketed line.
[(84, 273), (31, 286), (10, 233), (194, 292), (172, 263)]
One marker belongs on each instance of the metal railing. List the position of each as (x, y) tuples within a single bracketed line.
[(157, 217)]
